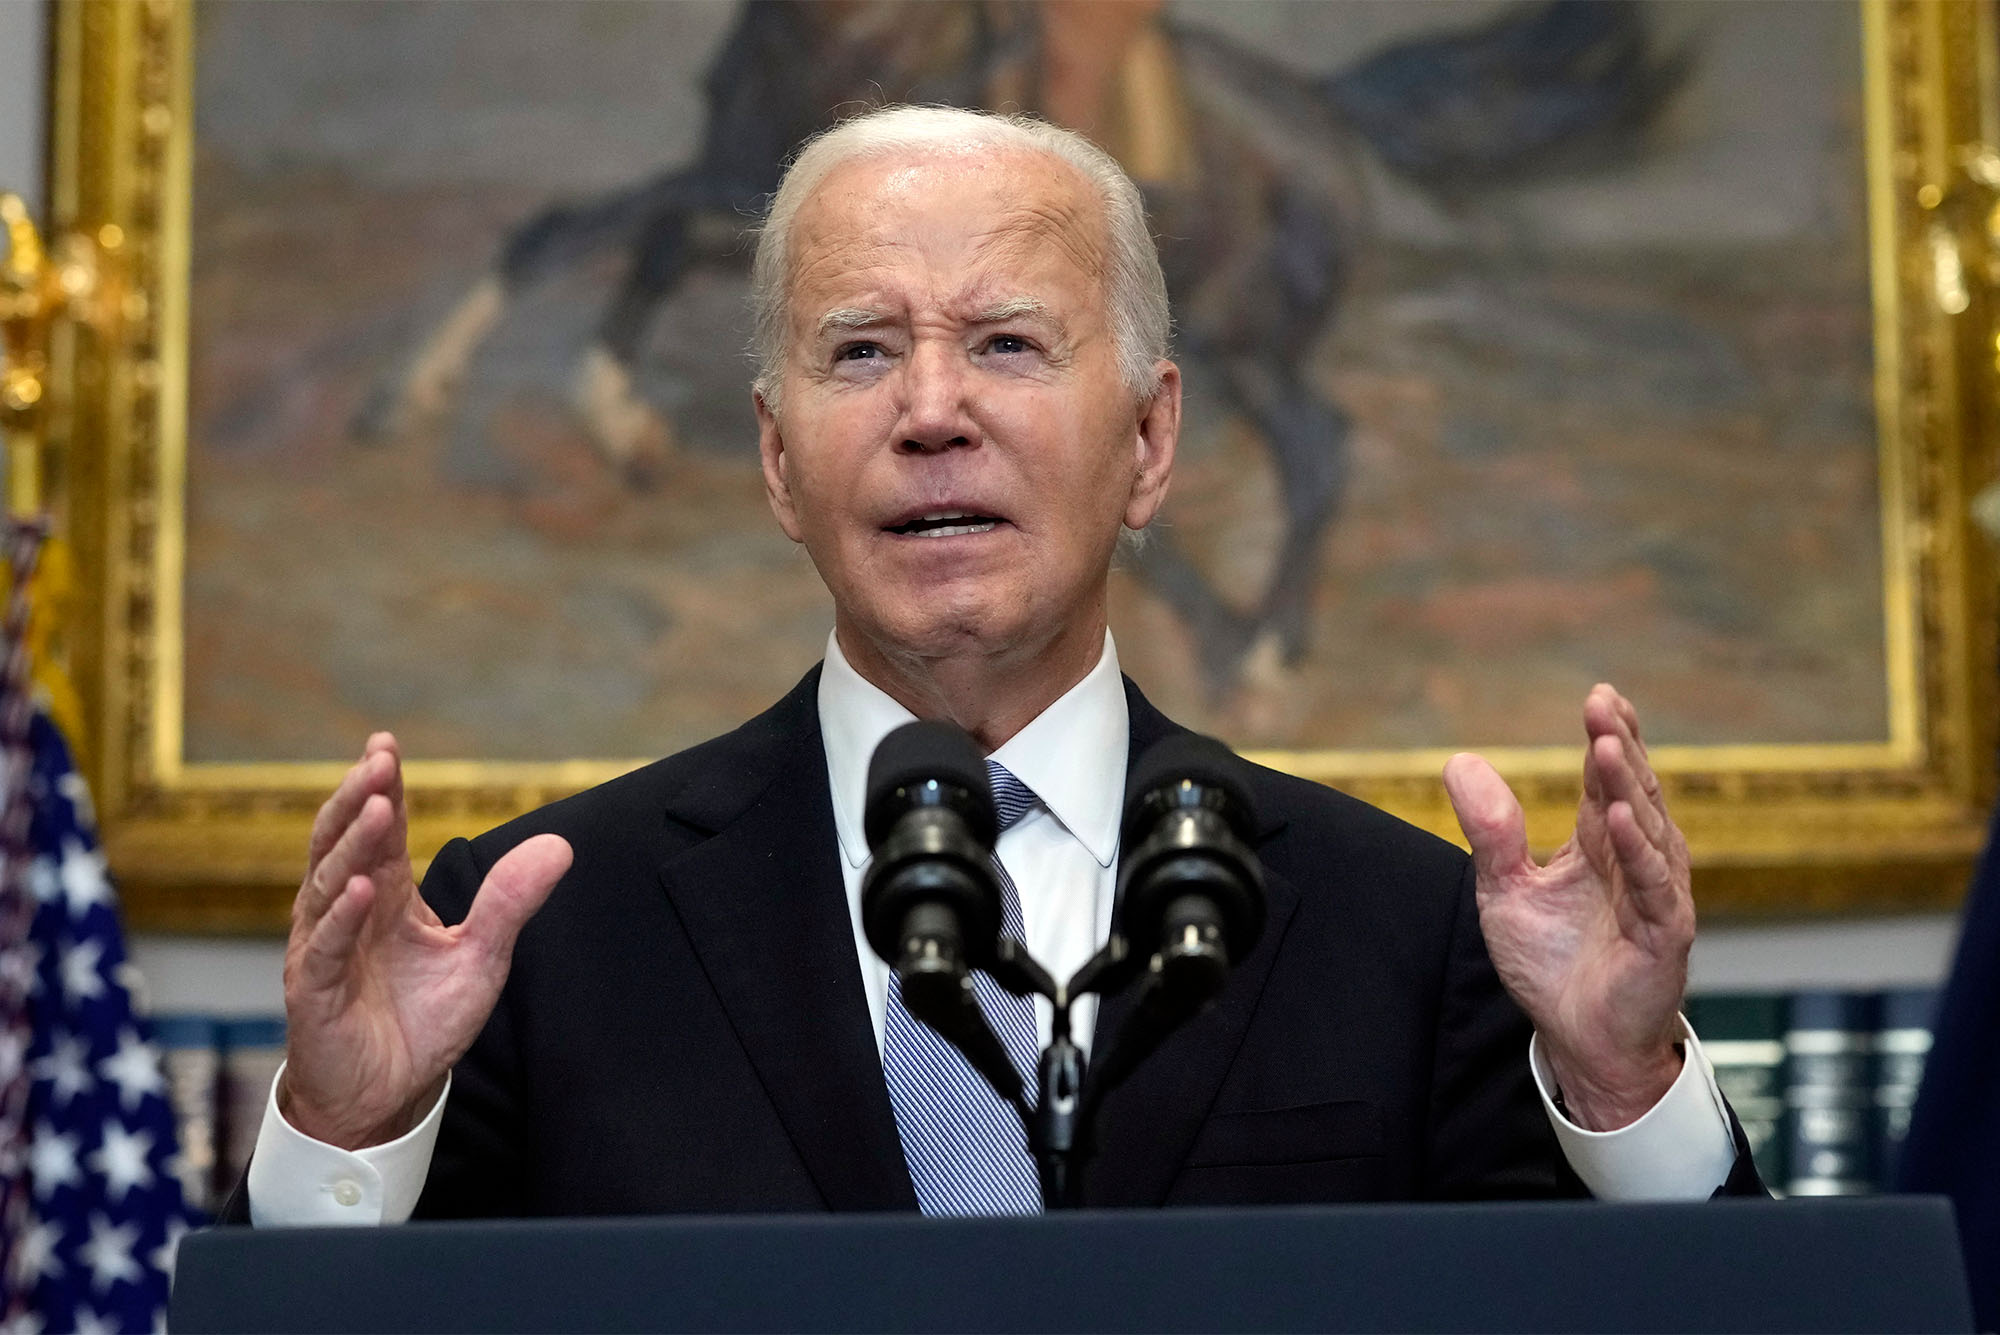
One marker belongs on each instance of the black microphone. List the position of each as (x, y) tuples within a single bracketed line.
[(1189, 889), (929, 903)]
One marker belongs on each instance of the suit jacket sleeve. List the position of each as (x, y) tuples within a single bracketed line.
[(1490, 1137), (480, 1167), (1471, 1101)]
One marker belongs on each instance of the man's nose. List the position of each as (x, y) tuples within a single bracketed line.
[(936, 412)]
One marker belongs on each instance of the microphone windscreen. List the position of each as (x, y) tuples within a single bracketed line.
[(1187, 757), (919, 753)]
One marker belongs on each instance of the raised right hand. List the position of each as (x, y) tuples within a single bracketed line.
[(381, 998)]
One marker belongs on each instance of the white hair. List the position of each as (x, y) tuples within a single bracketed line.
[(1135, 289)]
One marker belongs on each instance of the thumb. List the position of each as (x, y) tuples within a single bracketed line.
[(1490, 815), (517, 886)]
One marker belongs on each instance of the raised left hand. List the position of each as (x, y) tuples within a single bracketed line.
[(1594, 944)]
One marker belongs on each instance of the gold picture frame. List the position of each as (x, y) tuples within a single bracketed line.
[(1774, 828)]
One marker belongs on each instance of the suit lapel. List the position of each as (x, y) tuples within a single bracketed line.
[(1149, 1124), (765, 906)]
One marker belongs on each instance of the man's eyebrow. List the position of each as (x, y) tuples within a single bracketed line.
[(844, 318), (1013, 309), (849, 317)]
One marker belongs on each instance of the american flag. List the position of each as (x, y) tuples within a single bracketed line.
[(90, 1204)]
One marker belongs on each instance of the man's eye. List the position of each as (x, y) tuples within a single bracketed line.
[(1007, 344), (858, 352)]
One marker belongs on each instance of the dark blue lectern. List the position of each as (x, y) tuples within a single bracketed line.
[(1880, 1264)]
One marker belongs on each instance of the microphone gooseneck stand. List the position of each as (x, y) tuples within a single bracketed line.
[(1058, 1124), (1062, 1123), (930, 906)]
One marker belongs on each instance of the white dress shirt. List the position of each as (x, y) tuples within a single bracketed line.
[(1063, 858)]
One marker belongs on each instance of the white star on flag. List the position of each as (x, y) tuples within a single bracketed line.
[(71, 785), (93, 1323), (168, 1252), (109, 1252), (122, 1160), (82, 978), (66, 1068), (83, 877), (45, 879), (52, 1162), (100, 1203), (134, 1068)]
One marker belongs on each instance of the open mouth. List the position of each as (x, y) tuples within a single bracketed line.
[(945, 524)]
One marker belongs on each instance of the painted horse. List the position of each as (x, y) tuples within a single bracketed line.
[(1253, 174)]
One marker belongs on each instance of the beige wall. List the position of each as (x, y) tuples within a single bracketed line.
[(22, 27)]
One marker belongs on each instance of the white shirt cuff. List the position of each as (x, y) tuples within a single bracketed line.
[(1681, 1149), (296, 1181)]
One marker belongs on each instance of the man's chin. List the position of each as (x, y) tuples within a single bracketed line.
[(958, 637), (943, 630)]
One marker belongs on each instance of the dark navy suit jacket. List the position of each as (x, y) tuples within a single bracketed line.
[(685, 1027)]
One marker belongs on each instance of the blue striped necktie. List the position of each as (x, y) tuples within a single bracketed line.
[(964, 1145)]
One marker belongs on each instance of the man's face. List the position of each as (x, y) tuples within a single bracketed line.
[(957, 448)]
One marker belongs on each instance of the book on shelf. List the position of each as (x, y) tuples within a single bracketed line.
[(1830, 1092), (1822, 1079), (1744, 1037), (1902, 1043), (191, 1058)]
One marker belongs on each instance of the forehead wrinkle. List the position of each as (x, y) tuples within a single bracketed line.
[(1029, 226), (833, 242), (841, 253)]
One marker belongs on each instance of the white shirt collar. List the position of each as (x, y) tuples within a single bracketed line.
[(1072, 754)]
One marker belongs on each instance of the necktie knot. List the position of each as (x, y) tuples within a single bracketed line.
[(1012, 799)]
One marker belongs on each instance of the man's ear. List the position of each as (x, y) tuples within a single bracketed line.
[(771, 454), (1157, 435)]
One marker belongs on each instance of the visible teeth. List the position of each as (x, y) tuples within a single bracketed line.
[(954, 530), (946, 524)]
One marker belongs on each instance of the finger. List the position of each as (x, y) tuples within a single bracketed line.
[(357, 852), (1491, 817), (517, 886), (1629, 712), (331, 946), (1649, 873), (1607, 703), (1598, 721), (1593, 778), (1607, 713), (398, 845), (1620, 783), (365, 777)]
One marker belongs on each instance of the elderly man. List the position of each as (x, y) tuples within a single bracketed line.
[(964, 394)]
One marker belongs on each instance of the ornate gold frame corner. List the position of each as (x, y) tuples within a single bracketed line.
[(1775, 829)]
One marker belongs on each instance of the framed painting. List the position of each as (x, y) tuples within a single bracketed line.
[(1668, 361)]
